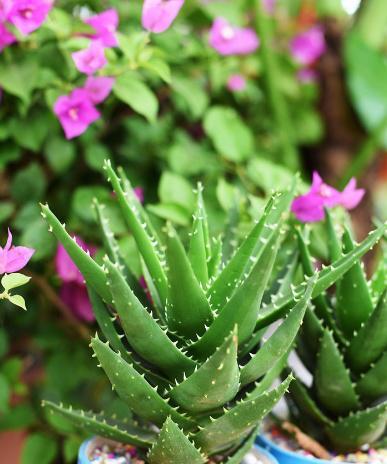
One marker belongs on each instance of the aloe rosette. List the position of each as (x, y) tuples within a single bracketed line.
[(189, 358), (343, 343)]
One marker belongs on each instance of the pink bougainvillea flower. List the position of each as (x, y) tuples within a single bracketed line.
[(310, 207), (98, 88), (236, 83), (105, 25), (308, 46), (6, 37), (13, 259), (73, 291), (90, 59), (5, 7), (28, 15), (307, 75), (158, 15), (230, 40), (75, 112)]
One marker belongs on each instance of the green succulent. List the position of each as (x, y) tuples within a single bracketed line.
[(190, 361), (343, 343)]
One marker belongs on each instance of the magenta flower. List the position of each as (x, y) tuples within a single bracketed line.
[(307, 75), (236, 83), (139, 192), (5, 7), (229, 40), (105, 25), (13, 259), (98, 88), (90, 59), (308, 46), (28, 15), (73, 291), (310, 207), (6, 37), (75, 112), (158, 15)]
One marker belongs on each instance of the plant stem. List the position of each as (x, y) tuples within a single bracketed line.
[(366, 154), (290, 155)]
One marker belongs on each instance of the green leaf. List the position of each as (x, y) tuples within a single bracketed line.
[(28, 184), (188, 310), (159, 67), (36, 236), (99, 424), (39, 449), (131, 90), (133, 389), (237, 422), (60, 153), (366, 426), (279, 342), (18, 300), (373, 384), (5, 394), (19, 77), (214, 383), (237, 457), (192, 94), (229, 134), (333, 384), (6, 210), (371, 341), (378, 281), (137, 321), (275, 175), (173, 446), (14, 280), (177, 190)]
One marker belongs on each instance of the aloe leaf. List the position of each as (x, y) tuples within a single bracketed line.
[(155, 347), (354, 303), (237, 457), (98, 424), (237, 422), (188, 310), (173, 446), (373, 384), (279, 343), (310, 334), (106, 324), (249, 251), (334, 243), (146, 243), (333, 384), (378, 281), (215, 260), (371, 341), (326, 277), (353, 431), (251, 343), (152, 294), (91, 271), (306, 404), (242, 308), (214, 383), (133, 389)]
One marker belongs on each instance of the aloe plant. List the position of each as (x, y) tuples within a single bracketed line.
[(343, 343), (190, 361)]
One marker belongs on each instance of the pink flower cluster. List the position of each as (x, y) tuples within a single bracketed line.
[(77, 110), (25, 15), (13, 259), (73, 291), (311, 206), (227, 39), (158, 15)]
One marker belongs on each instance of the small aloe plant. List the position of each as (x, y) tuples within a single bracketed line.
[(189, 360), (343, 343)]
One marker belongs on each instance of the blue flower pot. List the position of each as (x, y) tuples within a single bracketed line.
[(88, 445), (287, 457)]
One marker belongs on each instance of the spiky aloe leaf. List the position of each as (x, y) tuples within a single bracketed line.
[(354, 303), (216, 257), (371, 341), (327, 276), (280, 342), (98, 424), (173, 446), (250, 249), (214, 383), (373, 384), (133, 389), (236, 423), (333, 383), (146, 243), (156, 347), (188, 310), (379, 279), (334, 244), (106, 323), (251, 343), (301, 395), (91, 271), (246, 446), (310, 333), (365, 426), (242, 308)]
